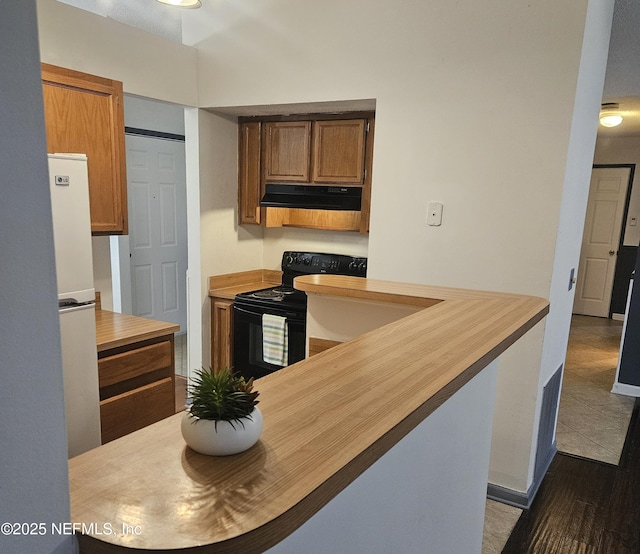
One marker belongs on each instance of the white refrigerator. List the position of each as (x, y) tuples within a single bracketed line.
[(69, 187)]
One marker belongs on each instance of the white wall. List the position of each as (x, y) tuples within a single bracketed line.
[(34, 482), (624, 150), (147, 65), (575, 189), (152, 115), (279, 239), (225, 247), (475, 103)]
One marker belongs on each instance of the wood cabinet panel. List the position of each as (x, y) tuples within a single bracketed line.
[(287, 151), (317, 345), (221, 333), (137, 385), (84, 114), (133, 363), (338, 151), (336, 220), (135, 409), (249, 179)]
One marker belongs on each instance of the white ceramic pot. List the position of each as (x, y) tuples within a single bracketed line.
[(221, 438)]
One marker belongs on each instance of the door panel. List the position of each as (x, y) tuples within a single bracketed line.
[(158, 228), (601, 239), (140, 211), (170, 286), (168, 217), (143, 285), (595, 279)]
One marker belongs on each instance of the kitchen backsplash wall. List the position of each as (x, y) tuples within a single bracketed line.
[(277, 240)]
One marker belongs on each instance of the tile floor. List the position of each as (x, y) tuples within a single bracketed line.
[(592, 421), (499, 521)]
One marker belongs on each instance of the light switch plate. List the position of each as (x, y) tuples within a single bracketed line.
[(434, 213)]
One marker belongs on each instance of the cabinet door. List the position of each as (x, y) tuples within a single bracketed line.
[(221, 333), (287, 151), (249, 191), (84, 114), (137, 386), (338, 151)]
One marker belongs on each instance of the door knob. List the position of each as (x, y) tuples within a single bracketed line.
[(612, 252)]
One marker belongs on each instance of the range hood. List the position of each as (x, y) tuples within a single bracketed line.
[(330, 197)]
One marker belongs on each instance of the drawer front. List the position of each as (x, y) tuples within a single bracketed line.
[(133, 363), (136, 409)]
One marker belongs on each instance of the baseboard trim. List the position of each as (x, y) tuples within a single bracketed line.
[(617, 317), (627, 390), (519, 499)]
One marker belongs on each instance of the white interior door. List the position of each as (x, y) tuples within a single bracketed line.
[(600, 240), (157, 228)]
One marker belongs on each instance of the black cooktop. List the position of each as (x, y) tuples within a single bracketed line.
[(280, 297)]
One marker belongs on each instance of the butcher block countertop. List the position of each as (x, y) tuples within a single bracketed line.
[(326, 420), (230, 284), (114, 329)]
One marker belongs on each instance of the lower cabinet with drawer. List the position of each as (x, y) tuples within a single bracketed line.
[(137, 386)]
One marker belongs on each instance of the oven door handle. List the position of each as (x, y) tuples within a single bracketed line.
[(258, 313)]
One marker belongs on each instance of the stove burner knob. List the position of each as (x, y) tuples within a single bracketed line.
[(290, 259), (362, 266), (306, 261), (353, 265)]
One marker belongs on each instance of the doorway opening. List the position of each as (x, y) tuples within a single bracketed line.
[(592, 421), (605, 266), (149, 266)]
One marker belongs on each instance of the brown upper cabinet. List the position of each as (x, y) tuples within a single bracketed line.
[(287, 147), (329, 151), (338, 151), (85, 114), (320, 149), (249, 188)]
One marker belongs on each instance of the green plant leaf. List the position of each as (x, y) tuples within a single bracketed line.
[(222, 396)]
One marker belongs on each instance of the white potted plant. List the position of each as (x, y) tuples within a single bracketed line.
[(223, 418)]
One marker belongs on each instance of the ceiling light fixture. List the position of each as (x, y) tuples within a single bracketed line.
[(182, 3), (609, 115)]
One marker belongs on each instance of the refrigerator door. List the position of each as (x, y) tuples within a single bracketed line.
[(69, 186), (80, 373)]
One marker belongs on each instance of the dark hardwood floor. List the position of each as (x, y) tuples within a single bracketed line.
[(585, 506)]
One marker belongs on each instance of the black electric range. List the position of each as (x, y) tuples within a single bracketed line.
[(284, 302), (295, 264)]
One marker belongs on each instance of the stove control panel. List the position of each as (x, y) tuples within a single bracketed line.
[(312, 263)]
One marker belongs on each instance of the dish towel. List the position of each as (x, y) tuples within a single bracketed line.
[(275, 340)]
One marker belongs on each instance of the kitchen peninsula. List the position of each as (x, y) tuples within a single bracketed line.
[(378, 442)]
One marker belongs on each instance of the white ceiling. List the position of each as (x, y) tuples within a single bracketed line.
[(147, 15), (622, 82)]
